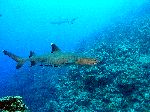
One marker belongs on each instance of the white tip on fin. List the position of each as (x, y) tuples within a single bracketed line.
[(54, 48)]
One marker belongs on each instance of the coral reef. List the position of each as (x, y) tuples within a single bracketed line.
[(12, 104), (120, 82)]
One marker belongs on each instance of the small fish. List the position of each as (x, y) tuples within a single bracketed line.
[(55, 58)]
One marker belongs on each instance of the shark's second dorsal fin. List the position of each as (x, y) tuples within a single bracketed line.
[(54, 48), (30, 56)]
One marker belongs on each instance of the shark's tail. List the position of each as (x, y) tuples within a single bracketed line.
[(20, 61)]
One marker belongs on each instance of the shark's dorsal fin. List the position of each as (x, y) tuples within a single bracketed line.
[(54, 48)]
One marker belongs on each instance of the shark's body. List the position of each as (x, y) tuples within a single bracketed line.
[(55, 58)]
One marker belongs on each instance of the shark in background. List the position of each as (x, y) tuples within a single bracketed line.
[(63, 21), (55, 58)]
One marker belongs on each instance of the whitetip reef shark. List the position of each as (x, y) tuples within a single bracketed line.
[(55, 58), (69, 21)]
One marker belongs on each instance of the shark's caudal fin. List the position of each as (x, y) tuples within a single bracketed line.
[(20, 61)]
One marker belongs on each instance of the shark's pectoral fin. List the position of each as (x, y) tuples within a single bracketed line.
[(33, 63)]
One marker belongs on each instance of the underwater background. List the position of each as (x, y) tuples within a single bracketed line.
[(116, 30)]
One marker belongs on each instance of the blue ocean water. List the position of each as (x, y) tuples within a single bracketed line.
[(89, 27)]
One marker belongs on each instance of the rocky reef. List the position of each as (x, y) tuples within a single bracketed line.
[(12, 104)]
